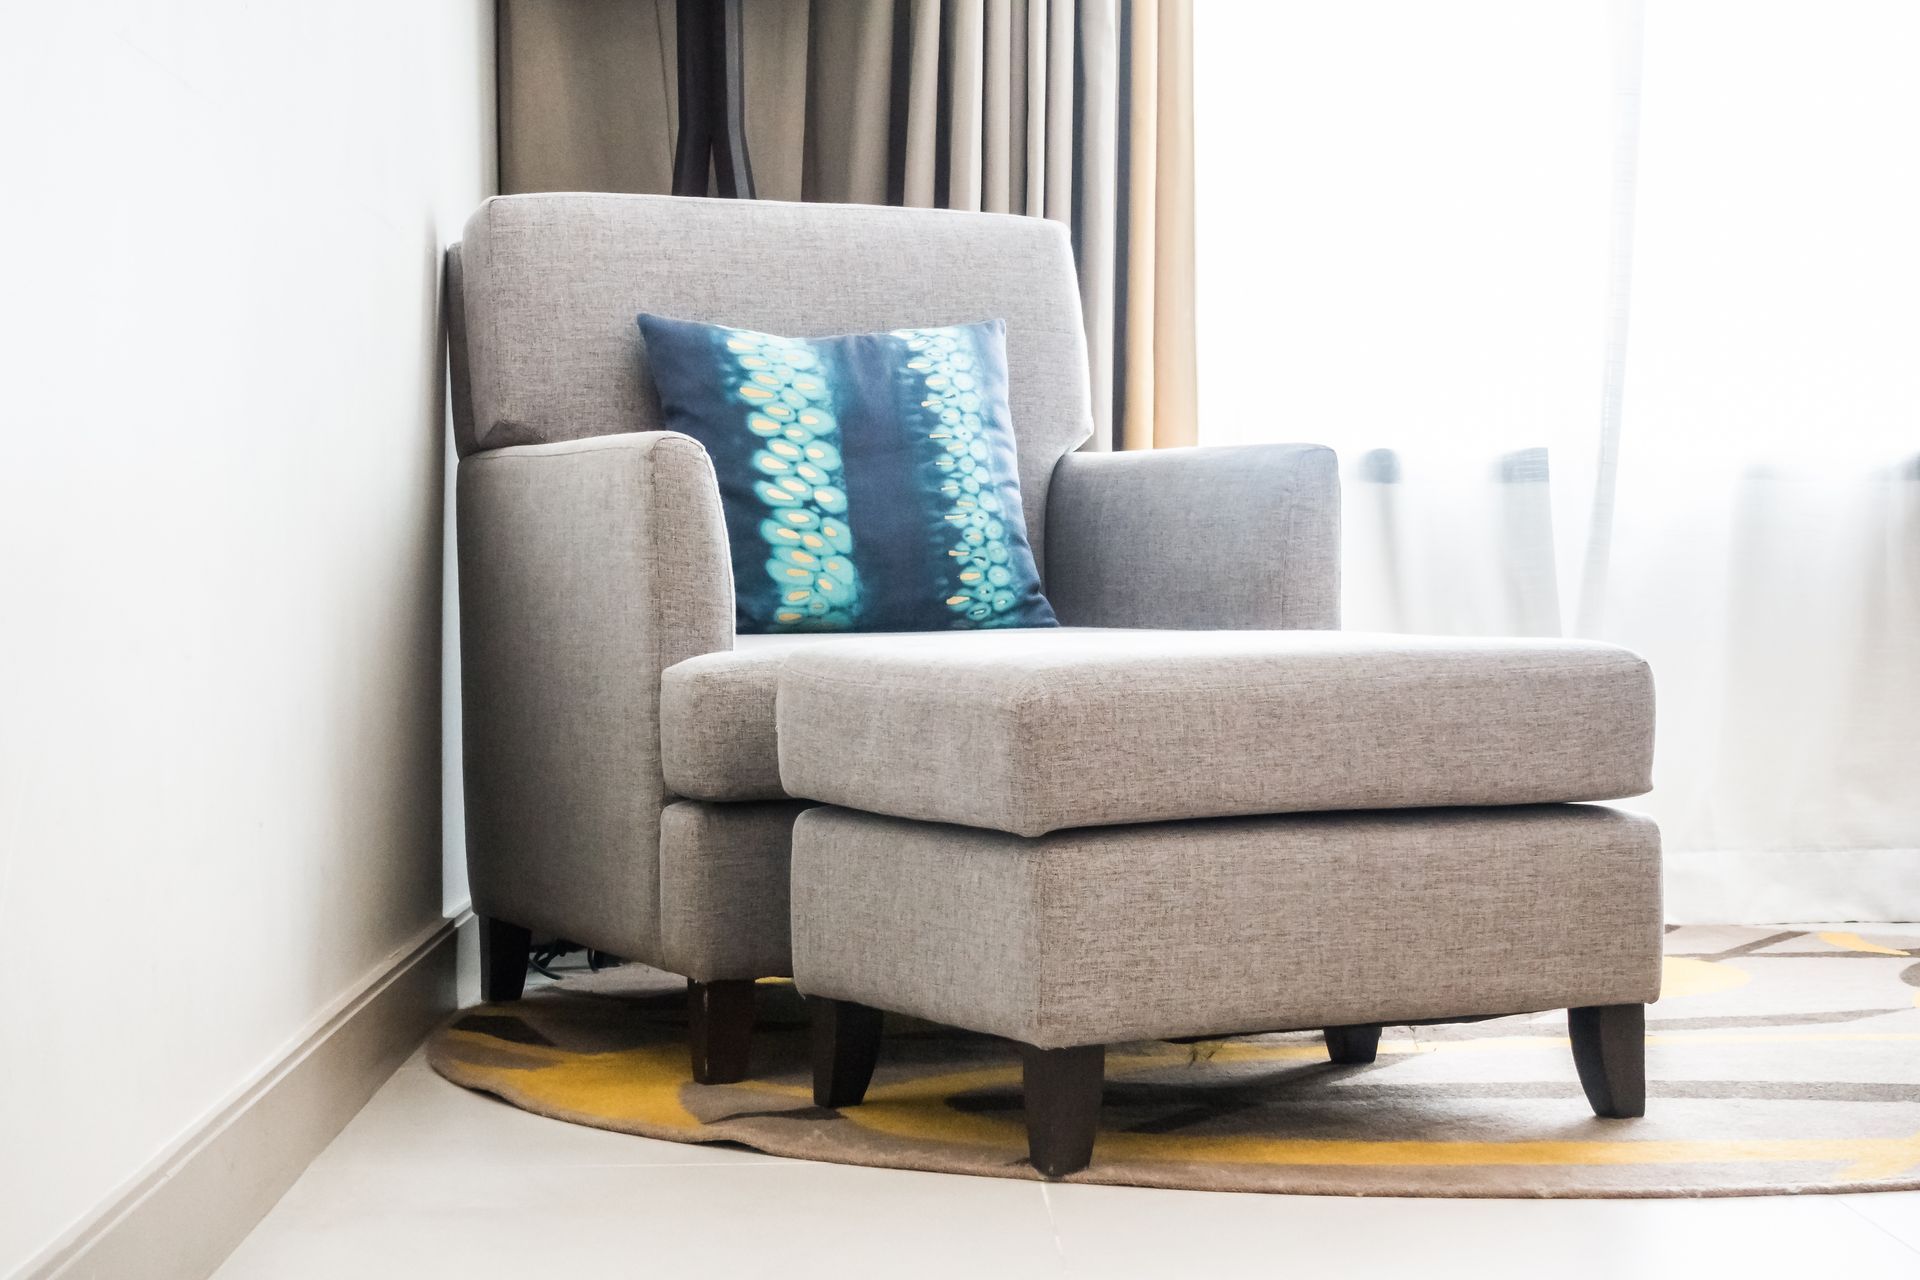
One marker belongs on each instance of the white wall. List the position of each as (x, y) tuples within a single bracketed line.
[(220, 546)]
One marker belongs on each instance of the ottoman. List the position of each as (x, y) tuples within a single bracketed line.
[(1087, 840)]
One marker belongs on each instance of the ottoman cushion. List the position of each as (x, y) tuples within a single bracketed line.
[(1043, 731), (1102, 935)]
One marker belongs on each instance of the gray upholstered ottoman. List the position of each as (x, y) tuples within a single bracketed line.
[(1078, 840)]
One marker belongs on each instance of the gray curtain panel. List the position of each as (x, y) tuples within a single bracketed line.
[(1010, 106)]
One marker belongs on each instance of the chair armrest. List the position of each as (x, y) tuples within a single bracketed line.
[(1227, 538), (587, 567)]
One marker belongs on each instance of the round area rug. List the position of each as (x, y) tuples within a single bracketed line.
[(1778, 1060)]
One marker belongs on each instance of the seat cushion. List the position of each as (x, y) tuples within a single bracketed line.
[(716, 719), (717, 739), (1048, 730)]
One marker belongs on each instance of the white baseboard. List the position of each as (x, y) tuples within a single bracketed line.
[(179, 1218)]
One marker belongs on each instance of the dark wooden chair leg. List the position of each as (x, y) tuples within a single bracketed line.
[(1610, 1051), (720, 1027), (846, 1044), (1063, 1106), (503, 959), (1353, 1046)]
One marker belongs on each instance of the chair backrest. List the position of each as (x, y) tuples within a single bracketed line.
[(545, 288)]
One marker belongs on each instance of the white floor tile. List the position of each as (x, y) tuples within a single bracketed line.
[(1116, 1231), (431, 1180), (787, 1220), (1895, 1212)]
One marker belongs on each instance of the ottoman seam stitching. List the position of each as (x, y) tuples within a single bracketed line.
[(1423, 679)]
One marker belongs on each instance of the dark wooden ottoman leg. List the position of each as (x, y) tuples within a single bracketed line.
[(720, 1027), (1063, 1105), (1610, 1051), (1353, 1046), (503, 959), (846, 1043)]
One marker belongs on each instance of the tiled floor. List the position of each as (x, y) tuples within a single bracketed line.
[(433, 1181)]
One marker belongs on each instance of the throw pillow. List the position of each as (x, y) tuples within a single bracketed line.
[(869, 481)]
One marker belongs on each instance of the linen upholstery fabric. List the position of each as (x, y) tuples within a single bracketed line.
[(1230, 537), (1109, 934), (1053, 730), (869, 481), (723, 889), (551, 284), (717, 719), (459, 374), (718, 739), (586, 568)]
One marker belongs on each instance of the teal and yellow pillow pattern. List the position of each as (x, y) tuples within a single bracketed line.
[(869, 481)]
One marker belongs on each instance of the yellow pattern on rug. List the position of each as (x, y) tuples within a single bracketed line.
[(1793, 1069)]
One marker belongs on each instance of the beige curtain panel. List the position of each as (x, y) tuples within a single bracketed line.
[(1076, 110)]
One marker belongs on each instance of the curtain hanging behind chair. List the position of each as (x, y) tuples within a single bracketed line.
[(1076, 110), (1159, 394)]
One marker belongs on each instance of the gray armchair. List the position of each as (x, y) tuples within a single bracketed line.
[(622, 781)]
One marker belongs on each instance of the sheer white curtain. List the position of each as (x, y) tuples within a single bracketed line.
[(1614, 317)]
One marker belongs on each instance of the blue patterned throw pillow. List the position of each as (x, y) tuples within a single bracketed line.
[(869, 481)]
